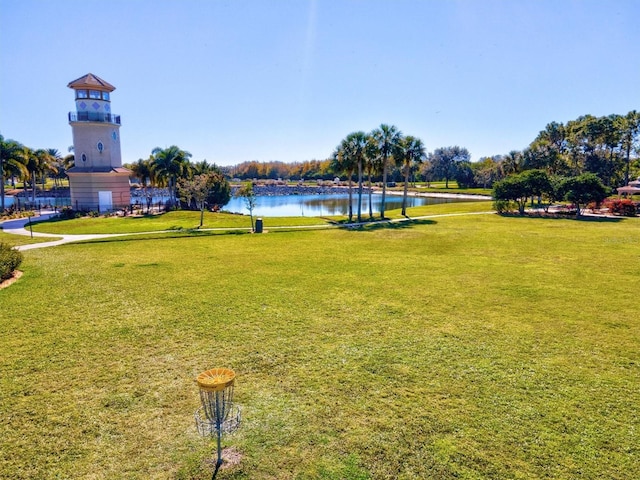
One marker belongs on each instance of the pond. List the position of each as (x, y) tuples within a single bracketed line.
[(326, 205), (291, 205)]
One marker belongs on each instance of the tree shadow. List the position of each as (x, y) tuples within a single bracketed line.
[(387, 225), (551, 216)]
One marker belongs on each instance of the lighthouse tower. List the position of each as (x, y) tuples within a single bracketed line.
[(97, 180)]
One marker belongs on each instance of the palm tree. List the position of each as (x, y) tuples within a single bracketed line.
[(357, 146), (372, 165), (38, 162), (409, 152), (344, 160), (12, 163), (204, 167), (512, 162), (56, 166), (168, 165), (386, 137), (142, 171)]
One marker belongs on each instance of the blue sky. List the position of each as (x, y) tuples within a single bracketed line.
[(237, 80)]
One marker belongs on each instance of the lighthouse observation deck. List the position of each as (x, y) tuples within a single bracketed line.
[(99, 117)]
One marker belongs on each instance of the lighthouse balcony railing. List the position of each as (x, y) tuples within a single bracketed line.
[(94, 117)]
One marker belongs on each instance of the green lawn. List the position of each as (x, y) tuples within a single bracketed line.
[(177, 220), (449, 347)]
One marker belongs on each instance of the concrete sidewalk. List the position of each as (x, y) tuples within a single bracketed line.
[(19, 227)]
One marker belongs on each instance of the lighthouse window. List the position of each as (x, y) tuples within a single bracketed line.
[(82, 94), (105, 96), (94, 94), (100, 147), (84, 157)]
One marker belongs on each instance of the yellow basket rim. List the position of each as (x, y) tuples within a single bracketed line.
[(216, 379)]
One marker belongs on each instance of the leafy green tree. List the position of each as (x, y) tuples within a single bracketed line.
[(584, 189), (538, 182), (170, 164), (444, 161), (630, 134), (386, 138), (465, 176), (408, 152), (513, 188), (207, 189), (487, 171), (248, 194)]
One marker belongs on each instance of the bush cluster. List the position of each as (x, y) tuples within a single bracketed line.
[(623, 206), (10, 259)]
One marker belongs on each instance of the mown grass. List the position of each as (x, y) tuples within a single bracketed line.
[(187, 220), (454, 347), (178, 220)]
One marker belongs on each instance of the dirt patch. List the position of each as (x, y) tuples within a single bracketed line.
[(231, 457), (16, 275)]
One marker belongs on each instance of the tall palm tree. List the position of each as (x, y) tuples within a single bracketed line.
[(512, 162), (56, 166), (168, 165), (343, 160), (409, 152), (142, 171), (357, 146), (203, 167), (372, 165), (12, 163), (38, 162), (387, 137)]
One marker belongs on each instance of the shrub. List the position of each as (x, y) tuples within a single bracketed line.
[(10, 259), (68, 213), (504, 206), (624, 207)]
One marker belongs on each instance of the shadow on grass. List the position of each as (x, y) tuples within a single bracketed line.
[(183, 234), (551, 216), (387, 225)]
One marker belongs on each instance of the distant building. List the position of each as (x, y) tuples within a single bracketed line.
[(97, 180)]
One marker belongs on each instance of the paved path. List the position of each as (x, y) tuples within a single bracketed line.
[(19, 227)]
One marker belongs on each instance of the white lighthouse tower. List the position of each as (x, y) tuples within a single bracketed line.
[(97, 180)]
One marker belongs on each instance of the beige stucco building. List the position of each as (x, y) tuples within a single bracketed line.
[(97, 180)]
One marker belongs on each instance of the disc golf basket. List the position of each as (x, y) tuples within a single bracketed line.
[(218, 414)]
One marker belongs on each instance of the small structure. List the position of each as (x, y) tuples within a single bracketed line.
[(632, 189), (97, 180)]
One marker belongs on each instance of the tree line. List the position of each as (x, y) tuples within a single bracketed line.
[(607, 147), (21, 163)]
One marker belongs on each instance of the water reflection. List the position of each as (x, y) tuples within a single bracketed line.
[(321, 205), (288, 205)]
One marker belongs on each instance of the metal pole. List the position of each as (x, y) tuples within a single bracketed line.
[(218, 414)]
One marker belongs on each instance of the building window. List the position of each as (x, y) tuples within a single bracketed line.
[(105, 96), (84, 157), (94, 94), (100, 147), (82, 94)]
